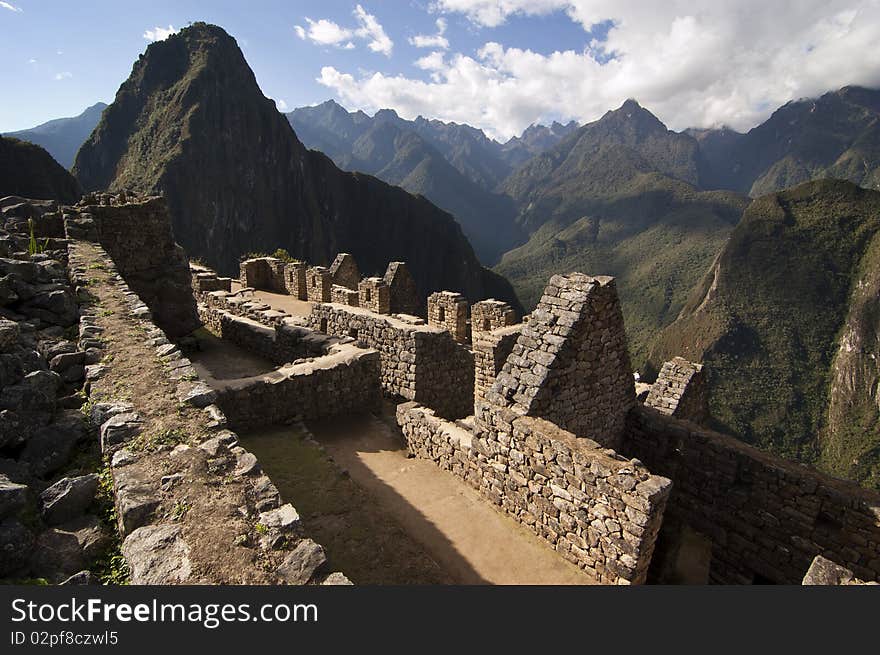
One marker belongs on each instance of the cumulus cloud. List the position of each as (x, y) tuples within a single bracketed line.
[(693, 63), (328, 33), (66, 75), (159, 33), (6, 5), (432, 40), (281, 104)]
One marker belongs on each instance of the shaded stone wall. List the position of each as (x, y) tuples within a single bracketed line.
[(319, 284), (295, 279), (344, 380), (767, 518), (344, 296), (825, 572), (344, 271), (281, 343), (491, 350), (374, 295), (680, 391), (570, 364), (404, 293), (596, 509), (418, 362), (137, 235)]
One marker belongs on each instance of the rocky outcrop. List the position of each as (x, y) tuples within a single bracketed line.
[(28, 170), (192, 124)]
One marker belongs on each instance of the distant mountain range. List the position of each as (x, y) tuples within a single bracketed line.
[(192, 124), (455, 166), (62, 137)]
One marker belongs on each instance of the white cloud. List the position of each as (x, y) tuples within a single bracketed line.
[(6, 5), (160, 33), (66, 75), (32, 61), (432, 40), (328, 33), (281, 104), (691, 62)]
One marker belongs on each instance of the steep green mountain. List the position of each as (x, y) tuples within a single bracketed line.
[(619, 197), (786, 322), (394, 152), (62, 137), (191, 123), (29, 171), (834, 136)]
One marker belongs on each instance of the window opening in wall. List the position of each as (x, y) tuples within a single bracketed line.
[(353, 333), (324, 325), (441, 315), (369, 295), (487, 324)]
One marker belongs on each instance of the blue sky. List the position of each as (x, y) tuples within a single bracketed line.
[(496, 64)]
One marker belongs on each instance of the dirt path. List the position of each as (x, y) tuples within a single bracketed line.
[(468, 537), (218, 360)]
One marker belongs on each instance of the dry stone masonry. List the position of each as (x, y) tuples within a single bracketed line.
[(375, 295), (404, 293), (491, 350), (319, 284), (448, 310), (680, 391), (344, 271), (570, 363), (488, 315)]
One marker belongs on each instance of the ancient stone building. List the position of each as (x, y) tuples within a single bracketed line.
[(319, 284), (448, 310), (344, 295), (295, 279), (344, 271), (404, 294), (570, 363), (375, 295), (262, 273), (680, 391), (488, 315)]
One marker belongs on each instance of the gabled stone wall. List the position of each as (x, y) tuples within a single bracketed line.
[(570, 364), (404, 293), (344, 271), (680, 391)]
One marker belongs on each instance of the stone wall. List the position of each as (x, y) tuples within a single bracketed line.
[(491, 350), (404, 293), (344, 295), (280, 343), (448, 310), (570, 364), (488, 315), (596, 509), (418, 362), (767, 518), (179, 492), (825, 572), (295, 279), (342, 381), (344, 271), (374, 295), (680, 391), (319, 284), (137, 235)]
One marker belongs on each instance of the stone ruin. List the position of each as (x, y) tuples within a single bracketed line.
[(540, 417), (680, 391)]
